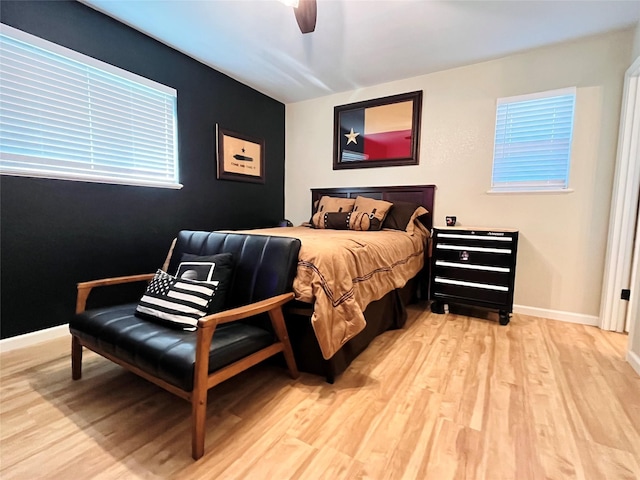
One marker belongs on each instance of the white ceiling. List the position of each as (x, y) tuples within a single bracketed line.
[(359, 43)]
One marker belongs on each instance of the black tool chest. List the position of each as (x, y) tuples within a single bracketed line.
[(474, 267)]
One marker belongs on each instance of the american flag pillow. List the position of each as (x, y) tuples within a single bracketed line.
[(177, 300)]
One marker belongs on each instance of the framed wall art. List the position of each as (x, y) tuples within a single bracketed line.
[(240, 157), (383, 132)]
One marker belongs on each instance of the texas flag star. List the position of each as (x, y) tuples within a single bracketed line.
[(351, 137)]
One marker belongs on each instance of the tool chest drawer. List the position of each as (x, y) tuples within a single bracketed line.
[(474, 267)]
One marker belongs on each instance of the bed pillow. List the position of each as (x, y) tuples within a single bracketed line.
[(214, 268), (331, 220), (419, 220), (376, 209), (180, 302), (343, 221), (335, 204), (400, 215), (362, 221)]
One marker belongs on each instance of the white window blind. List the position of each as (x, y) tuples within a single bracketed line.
[(532, 148), (68, 116)]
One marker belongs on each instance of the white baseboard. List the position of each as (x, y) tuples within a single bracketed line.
[(634, 361), (558, 315), (33, 338)]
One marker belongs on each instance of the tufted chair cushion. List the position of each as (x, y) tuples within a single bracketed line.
[(164, 352)]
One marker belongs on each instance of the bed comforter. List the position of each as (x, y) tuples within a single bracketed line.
[(341, 271)]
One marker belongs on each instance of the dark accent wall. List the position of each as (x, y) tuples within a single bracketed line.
[(56, 233)]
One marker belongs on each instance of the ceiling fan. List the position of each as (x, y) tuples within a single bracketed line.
[(305, 12)]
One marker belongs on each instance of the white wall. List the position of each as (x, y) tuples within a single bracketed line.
[(636, 43), (563, 236)]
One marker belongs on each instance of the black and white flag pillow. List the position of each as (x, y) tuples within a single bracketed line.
[(178, 300)]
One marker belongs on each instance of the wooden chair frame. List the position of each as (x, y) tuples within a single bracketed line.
[(202, 381)]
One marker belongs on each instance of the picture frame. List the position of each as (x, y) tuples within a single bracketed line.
[(240, 157), (383, 132)]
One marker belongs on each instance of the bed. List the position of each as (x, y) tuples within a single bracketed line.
[(353, 285)]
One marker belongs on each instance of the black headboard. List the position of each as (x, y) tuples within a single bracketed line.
[(421, 194)]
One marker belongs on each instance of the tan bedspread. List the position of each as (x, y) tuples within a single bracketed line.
[(342, 271)]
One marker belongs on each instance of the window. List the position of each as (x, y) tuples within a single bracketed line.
[(68, 116), (532, 148)]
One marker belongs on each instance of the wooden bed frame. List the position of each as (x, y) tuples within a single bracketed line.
[(421, 194), (387, 313)]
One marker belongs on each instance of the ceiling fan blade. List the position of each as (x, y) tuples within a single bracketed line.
[(305, 13)]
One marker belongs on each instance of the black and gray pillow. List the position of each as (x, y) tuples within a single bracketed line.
[(180, 301)]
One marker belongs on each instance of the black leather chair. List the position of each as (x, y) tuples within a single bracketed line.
[(189, 363)]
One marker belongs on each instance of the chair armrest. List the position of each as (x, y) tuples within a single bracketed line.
[(244, 311), (84, 288)]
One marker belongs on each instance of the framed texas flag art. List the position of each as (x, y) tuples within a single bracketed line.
[(383, 132)]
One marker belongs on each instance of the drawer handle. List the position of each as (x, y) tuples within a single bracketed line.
[(461, 283), (474, 237), (475, 249), (486, 268)]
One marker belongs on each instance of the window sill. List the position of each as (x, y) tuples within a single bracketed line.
[(534, 192), (111, 181)]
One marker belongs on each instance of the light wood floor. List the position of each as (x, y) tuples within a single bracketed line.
[(447, 397)]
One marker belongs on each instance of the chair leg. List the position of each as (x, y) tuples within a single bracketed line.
[(198, 419), (199, 393), (277, 320), (76, 358)]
